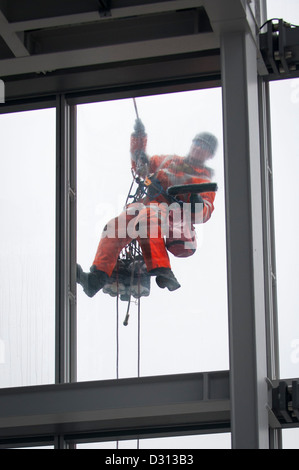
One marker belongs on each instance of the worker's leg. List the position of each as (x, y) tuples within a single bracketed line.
[(114, 238), (146, 227), (151, 239), (154, 250)]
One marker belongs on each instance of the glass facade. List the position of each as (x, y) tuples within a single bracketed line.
[(200, 441), (27, 248), (169, 332), (285, 156), (284, 106)]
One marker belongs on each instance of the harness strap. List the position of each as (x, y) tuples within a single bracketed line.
[(152, 182)]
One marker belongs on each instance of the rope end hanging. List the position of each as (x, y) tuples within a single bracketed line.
[(135, 106), (126, 320)]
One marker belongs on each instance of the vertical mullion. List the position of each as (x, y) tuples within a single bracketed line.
[(61, 248), (270, 252), (59, 442), (269, 229), (73, 242), (270, 264), (248, 365), (275, 435), (65, 363)]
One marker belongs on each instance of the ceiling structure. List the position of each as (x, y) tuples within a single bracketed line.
[(85, 46), (72, 45)]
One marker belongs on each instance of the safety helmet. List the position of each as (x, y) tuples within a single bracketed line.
[(207, 141)]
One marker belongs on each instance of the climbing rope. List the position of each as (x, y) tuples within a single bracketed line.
[(125, 323), (131, 253)]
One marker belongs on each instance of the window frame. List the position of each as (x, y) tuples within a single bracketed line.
[(65, 104)]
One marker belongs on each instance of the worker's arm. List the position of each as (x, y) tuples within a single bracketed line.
[(207, 199), (139, 158)]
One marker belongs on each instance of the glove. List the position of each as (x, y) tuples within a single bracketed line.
[(139, 127), (196, 199), (141, 163), (141, 156)]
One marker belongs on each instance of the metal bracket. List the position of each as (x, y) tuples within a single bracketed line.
[(280, 48), (285, 403)]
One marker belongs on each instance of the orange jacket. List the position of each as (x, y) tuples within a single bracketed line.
[(172, 170)]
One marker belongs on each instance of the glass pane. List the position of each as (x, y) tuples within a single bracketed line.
[(284, 119), (41, 447), (290, 438), (27, 248), (200, 441), (169, 332)]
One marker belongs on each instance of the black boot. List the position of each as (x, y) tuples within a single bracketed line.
[(91, 282), (165, 278)]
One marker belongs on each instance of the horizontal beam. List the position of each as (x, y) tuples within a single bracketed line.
[(116, 13), (148, 404), (174, 74), (109, 54), (11, 38)]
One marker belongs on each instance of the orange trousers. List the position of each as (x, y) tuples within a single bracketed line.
[(145, 227)]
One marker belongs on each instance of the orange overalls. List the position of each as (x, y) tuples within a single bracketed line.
[(146, 226)]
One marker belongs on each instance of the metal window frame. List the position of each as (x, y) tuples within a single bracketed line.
[(245, 242), (117, 409), (66, 227), (253, 325)]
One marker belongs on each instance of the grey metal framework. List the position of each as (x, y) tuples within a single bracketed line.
[(118, 409), (52, 54)]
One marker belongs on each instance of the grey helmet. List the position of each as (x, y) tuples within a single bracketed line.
[(206, 140)]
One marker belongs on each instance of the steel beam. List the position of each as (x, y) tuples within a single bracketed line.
[(236, 24), (116, 13), (174, 74), (41, 63), (149, 405), (12, 39), (248, 349)]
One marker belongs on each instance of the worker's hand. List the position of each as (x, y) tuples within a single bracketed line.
[(196, 199), (142, 169), (141, 156), (142, 163), (139, 127)]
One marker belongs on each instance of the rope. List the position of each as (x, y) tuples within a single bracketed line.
[(126, 320), (117, 328), (135, 106), (138, 350), (129, 193), (132, 252)]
